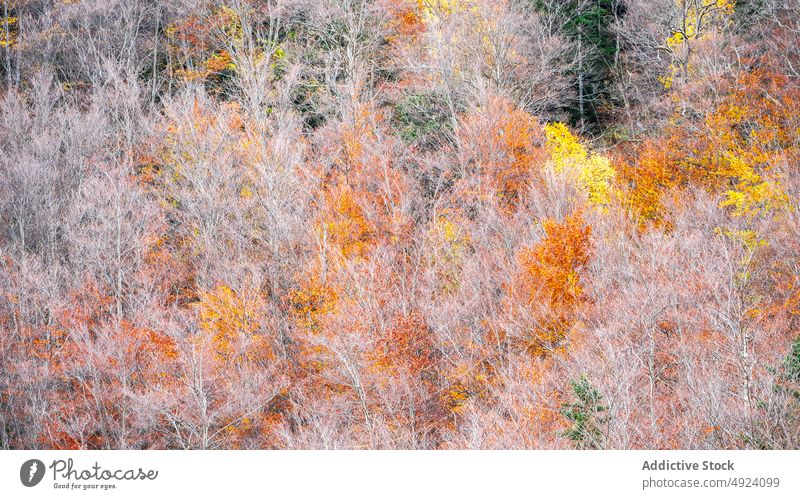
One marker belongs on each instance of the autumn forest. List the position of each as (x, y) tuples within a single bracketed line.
[(400, 224)]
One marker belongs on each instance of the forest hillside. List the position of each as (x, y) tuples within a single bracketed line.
[(386, 224)]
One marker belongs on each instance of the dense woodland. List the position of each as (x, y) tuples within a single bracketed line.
[(418, 224)]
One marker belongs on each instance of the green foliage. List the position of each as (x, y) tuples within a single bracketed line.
[(791, 365), (788, 373), (592, 25), (420, 119), (589, 25), (750, 11), (585, 416)]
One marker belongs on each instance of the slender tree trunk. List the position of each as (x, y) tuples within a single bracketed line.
[(581, 109), (155, 57), (7, 32)]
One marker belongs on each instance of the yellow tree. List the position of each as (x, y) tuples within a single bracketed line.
[(592, 172), (694, 20), (738, 150)]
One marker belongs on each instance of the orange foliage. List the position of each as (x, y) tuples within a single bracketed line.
[(197, 43), (407, 347), (406, 20), (345, 224), (648, 180), (232, 321), (311, 301), (364, 191), (508, 145), (93, 362), (549, 286), (733, 152)]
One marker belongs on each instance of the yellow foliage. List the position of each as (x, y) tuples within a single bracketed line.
[(593, 172), (668, 80), (434, 9), (227, 316), (245, 192), (450, 244), (749, 238), (311, 302), (345, 225), (751, 198), (746, 161), (564, 147), (219, 61), (696, 15), (451, 232), (596, 176), (230, 23), (8, 38)]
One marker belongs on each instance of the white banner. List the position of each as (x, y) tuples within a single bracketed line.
[(377, 474)]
